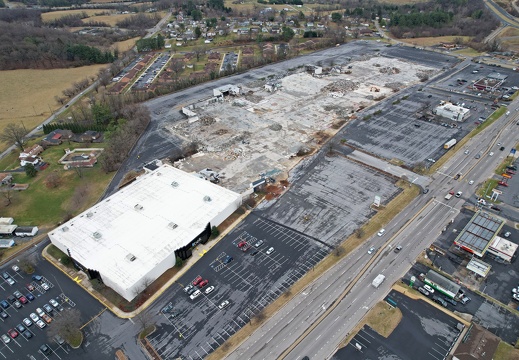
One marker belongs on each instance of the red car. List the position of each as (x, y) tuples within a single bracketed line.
[(203, 283), (511, 172), (13, 333), (197, 280), (502, 183), (23, 300), (29, 287), (242, 244)]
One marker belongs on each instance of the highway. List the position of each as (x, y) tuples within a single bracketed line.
[(316, 321)]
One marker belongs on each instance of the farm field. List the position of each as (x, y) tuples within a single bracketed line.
[(58, 14), (30, 96), (430, 41), (125, 45)]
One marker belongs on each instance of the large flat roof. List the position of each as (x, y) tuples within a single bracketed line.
[(479, 231), (160, 212)]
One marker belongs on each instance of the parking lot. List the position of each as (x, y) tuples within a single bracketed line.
[(332, 198), (23, 325), (424, 330), (150, 73), (254, 277)]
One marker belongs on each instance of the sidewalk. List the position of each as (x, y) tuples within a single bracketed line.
[(82, 279)]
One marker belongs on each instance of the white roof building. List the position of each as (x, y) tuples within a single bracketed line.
[(451, 111), (502, 248), (133, 237)]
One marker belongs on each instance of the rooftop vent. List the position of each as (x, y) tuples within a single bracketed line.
[(174, 184), (97, 235), (89, 214), (138, 207), (172, 225), (130, 257), (207, 198), (64, 228)]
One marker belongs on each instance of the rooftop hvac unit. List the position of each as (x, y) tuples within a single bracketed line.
[(174, 184), (89, 214), (130, 257), (138, 207), (64, 228), (172, 225), (97, 235), (207, 198)]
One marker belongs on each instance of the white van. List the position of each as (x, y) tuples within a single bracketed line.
[(490, 153)]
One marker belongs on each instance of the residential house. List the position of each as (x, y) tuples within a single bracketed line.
[(34, 150), (34, 160), (89, 136)]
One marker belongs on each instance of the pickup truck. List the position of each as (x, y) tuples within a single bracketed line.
[(449, 195)]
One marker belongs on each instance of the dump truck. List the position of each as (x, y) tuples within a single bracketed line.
[(449, 144), (378, 280)]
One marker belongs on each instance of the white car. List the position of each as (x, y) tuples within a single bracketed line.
[(54, 303), (381, 232), (41, 324), (428, 288), (270, 251), (223, 304), (6, 339), (34, 317), (371, 250), (194, 295), (40, 312), (16, 268), (466, 152), (27, 322), (209, 290), (45, 286), (471, 182)]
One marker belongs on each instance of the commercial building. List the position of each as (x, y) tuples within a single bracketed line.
[(502, 248), (442, 284), (476, 236), (131, 238), (451, 111), (490, 83)]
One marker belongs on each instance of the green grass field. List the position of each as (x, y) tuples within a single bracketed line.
[(43, 206)]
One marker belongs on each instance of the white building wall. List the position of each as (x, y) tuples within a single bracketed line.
[(218, 219)]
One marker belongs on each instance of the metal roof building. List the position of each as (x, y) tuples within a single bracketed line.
[(478, 233), (134, 236), (442, 284)]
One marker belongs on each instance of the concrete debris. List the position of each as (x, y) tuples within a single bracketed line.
[(389, 70), (395, 86), (275, 127), (341, 86), (207, 120)]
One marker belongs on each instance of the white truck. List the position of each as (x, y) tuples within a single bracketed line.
[(449, 144), (378, 280)]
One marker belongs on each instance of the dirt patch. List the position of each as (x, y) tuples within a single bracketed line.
[(273, 191), (384, 318)]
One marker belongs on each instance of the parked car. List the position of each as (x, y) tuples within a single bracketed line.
[(30, 297), (242, 244), (258, 243), (20, 328), (17, 304), (37, 278), (496, 208), (34, 317), (59, 340), (209, 290), (191, 290), (203, 283), (5, 275), (451, 301), (228, 259), (12, 333), (40, 312), (223, 305), (45, 286), (502, 183), (47, 318), (423, 291), (428, 288), (17, 294), (3, 314), (45, 349), (5, 339), (54, 303), (29, 287), (48, 308), (10, 281), (465, 299), (40, 324), (507, 234), (195, 295), (16, 268), (4, 304), (440, 301), (197, 280), (23, 300), (27, 322), (27, 334), (270, 251), (254, 253), (186, 289)]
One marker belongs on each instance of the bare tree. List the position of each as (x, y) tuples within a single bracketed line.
[(53, 180), (27, 263), (14, 133), (144, 319), (8, 195), (67, 325)]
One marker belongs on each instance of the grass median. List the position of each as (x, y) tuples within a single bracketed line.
[(383, 216)]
